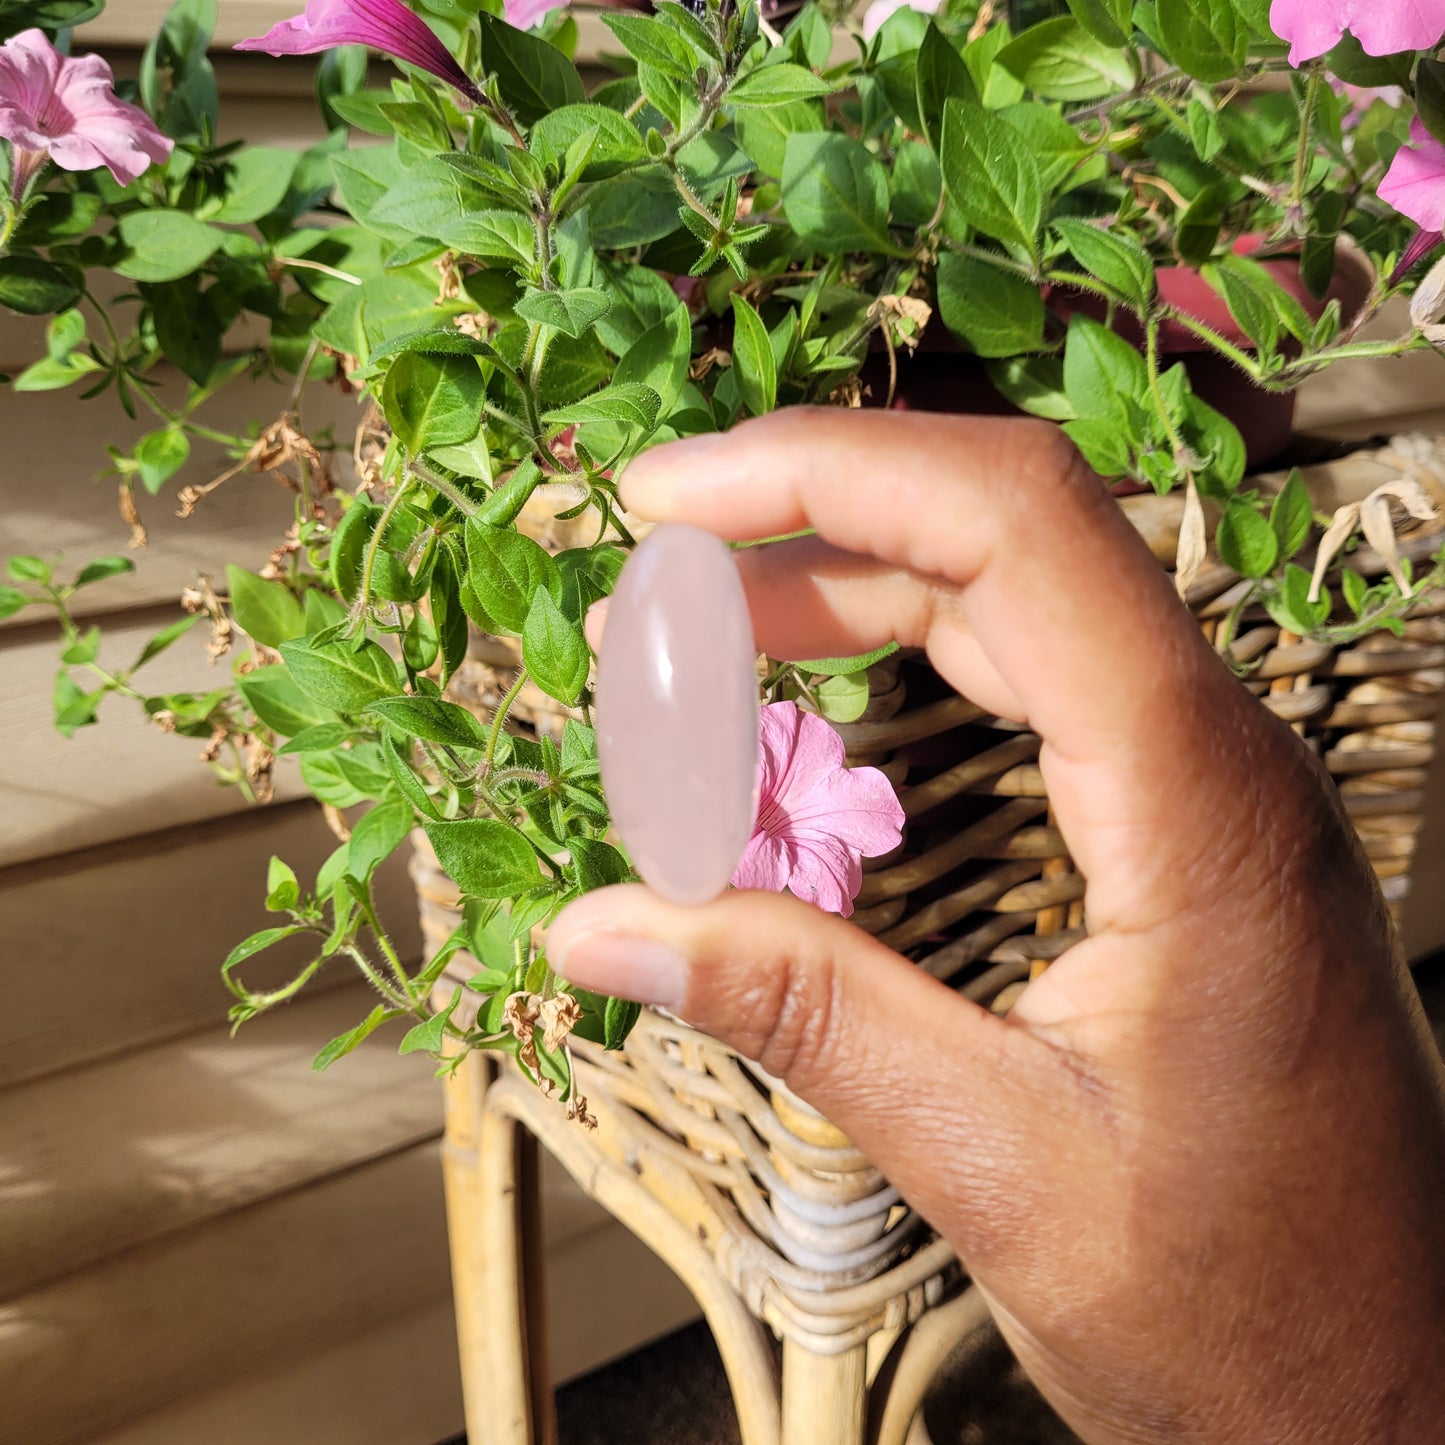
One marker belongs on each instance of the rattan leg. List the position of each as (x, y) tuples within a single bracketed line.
[(825, 1397), (916, 1357), (508, 1414)]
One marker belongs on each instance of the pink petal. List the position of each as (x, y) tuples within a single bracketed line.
[(384, 25), (1415, 182), (880, 10), (1311, 26), (524, 14), (766, 864), (29, 65), (1384, 27)]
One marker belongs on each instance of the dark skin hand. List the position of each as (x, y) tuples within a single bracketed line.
[(1199, 1171)]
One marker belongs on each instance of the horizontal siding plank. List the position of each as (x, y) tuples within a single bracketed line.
[(122, 776), (120, 947), (295, 1272), (51, 501), (99, 1160)]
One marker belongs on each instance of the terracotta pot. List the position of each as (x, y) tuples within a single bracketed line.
[(941, 377)]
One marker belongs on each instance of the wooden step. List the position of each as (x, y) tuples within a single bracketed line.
[(121, 946)]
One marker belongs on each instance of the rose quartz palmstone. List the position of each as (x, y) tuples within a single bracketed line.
[(677, 713)]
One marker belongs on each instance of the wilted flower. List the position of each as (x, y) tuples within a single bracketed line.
[(1383, 27), (384, 25), (817, 819), (64, 110)]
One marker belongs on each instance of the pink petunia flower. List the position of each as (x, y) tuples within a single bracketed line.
[(1383, 27), (880, 10), (384, 25), (524, 14), (1361, 97), (817, 819), (1415, 183), (64, 110)]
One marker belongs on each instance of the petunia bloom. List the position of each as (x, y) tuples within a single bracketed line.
[(1359, 99), (817, 819), (880, 10), (1415, 182), (384, 25), (64, 110), (1383, 27), (524, 14)]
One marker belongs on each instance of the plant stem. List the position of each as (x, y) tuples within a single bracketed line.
[(1305, 147), (498, 721), (373, 546), (458, 498)]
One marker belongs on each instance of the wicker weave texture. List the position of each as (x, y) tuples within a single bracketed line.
[(981, 893)]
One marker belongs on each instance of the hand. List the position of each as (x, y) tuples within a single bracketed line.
[(1199, 1171)]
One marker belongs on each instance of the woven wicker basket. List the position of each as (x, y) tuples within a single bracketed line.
[(810, 1236)]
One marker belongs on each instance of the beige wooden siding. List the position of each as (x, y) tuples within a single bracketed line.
[(200, 1237)]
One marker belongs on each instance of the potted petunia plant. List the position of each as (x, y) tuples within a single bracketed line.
[(1146, 221)]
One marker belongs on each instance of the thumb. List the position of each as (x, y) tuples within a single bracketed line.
[(940, 1094)]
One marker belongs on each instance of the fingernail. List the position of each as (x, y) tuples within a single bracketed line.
[(595, 623), (621, 964)]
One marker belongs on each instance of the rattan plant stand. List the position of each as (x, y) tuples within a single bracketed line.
[(832, 1302)]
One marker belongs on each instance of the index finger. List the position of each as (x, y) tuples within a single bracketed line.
[(999, 522)]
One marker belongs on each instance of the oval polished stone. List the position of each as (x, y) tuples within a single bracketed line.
[(677, 713)]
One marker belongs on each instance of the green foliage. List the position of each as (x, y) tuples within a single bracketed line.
[(499, 277)]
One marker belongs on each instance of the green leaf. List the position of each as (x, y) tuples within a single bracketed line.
[(348, 546), (429, 1036), (378, 833), (570, 312), (631, 404), (283, 891), (772, 85), (506, 571), (1117, 260), (28, 568), (484, 857), (996, 312), (12, 599), (1102, 372), (34, 287), (432, 719), (494, 235), (754, 366), (1249, 309), (1060, 60), (1205, 38), (343, 1044), (617, 146), (843, 698), (1106, 20), (1247, 543), (1290, 606), (842, 666), (941, 73), (1355, 589), (340, 675), (164, 245), (659, 359), (279, 703), (992, 177), (322, 738), (554, 650), (1291, 515), (165, 637), (432, 401), (598, 864), (533, 76), (1197, 232), (102, 569), (85, 649), (257, 180), (1034, 384), (763, 134), (267, 612), (412, 788), (258, 943), (653, 44), (160, 455), (50, 374), (618, 1020), (835, 192)]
